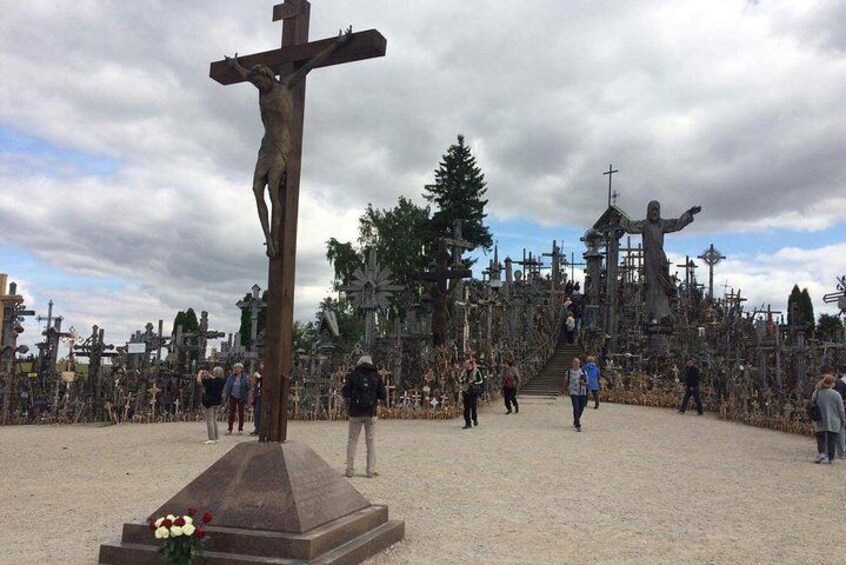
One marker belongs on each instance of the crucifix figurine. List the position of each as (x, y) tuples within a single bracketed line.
[(276, 102), (282, 104)]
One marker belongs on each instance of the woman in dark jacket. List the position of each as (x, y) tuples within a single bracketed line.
[(212, 384), (472, 388)]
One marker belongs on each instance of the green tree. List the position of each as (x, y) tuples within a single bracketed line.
[(800, 309), (304, 336), (806, 307), (458, 194), (188, 321), (829, 327), (793, 300), (344, 258), (400, 235)]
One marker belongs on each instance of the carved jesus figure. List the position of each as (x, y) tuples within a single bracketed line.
[(659, 286), (276, 103)]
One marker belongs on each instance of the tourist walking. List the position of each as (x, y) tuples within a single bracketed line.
[(828, 416), (510, 383), (577, 386), (840, 387), (592, 372), (256, 385), (363, 389), (212, 398), (472, 382), (236, 392), (691, 387), (570, 324)]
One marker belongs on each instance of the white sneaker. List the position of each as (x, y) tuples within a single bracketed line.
[(821, 457), (209, 442)]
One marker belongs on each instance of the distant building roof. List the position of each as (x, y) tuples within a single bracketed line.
[(611, 217)]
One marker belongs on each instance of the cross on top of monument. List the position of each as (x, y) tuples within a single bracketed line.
[(610, 172)]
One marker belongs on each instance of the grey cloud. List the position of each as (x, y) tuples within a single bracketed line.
[(692, 104)]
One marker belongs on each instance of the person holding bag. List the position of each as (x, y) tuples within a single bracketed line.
[(826, 408)]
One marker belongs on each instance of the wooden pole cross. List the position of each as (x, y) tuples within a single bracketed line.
[(295, 53)]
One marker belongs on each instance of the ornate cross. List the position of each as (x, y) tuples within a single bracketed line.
[(370, 291), (711, 256)]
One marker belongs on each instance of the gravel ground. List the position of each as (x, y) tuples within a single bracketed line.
[(637, 486)]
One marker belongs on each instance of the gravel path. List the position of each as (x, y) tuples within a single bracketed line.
[(637, 486)]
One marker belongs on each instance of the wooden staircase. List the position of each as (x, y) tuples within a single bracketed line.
[(551, 378)]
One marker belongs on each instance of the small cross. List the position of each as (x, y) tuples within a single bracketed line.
[(610, 173)]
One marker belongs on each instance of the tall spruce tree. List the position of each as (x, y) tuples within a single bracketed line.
[(800, 309), (458, 191)]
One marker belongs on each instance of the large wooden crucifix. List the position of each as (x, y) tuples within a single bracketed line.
[(439, 276), (282, 103)]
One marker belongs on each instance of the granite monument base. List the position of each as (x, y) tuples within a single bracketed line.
[(272, 503)]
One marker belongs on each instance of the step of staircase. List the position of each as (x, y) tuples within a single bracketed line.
[(550, 380)]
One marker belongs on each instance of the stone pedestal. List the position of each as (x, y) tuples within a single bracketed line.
[(272, 503)]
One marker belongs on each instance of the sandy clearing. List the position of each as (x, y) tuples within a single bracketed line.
[(639, 485)]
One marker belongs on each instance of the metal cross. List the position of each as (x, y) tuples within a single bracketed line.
[(610, 173)]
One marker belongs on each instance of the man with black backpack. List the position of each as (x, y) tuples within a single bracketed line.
[(363, 389)]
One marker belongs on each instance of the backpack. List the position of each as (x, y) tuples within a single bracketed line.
[(363, 394), (813, 409)]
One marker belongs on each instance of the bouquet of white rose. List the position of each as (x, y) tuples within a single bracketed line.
[(183, 538)]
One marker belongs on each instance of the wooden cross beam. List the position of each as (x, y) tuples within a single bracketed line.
[(362, 45), (295, 52)]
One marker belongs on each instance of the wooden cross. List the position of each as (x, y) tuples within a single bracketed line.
[(126, 406), (296, 397), (153, 390), (573, 264), (610, 173), (689, 266), (295, 52), (556, 257), (438, 290)]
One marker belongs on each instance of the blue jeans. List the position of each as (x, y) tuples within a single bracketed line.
[(579, 403)]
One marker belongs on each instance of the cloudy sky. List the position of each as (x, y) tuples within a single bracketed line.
[(125, 171)]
